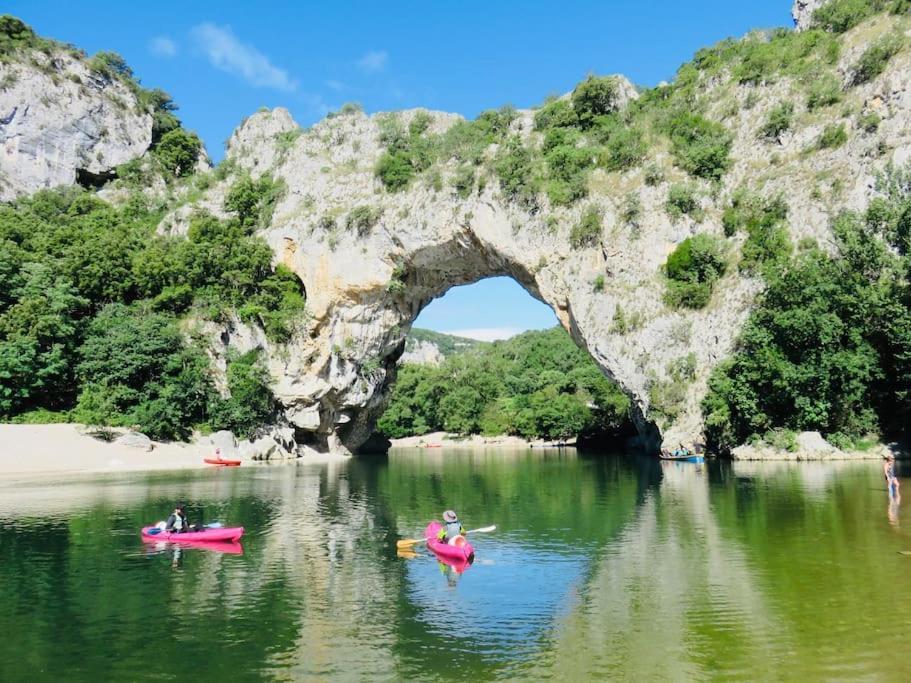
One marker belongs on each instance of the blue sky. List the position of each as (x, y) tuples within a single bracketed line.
[(222, 61)]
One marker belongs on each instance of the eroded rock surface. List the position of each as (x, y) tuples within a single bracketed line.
[(61, 123)]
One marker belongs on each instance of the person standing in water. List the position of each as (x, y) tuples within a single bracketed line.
[(892, 482)]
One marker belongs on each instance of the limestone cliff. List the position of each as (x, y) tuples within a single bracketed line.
[(61, 121), (371, 259), (802, 12)]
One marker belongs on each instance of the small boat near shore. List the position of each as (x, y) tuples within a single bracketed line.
[(684, 458), (683, 455), (221, 462)]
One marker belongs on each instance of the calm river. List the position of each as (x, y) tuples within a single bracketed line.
[(601, 568)]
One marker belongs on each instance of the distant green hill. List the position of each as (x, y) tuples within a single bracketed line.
[(447, 344), (538, 384)]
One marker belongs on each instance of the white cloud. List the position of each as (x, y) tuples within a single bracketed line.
[(373, 62), (337, 86), (162, 46), (225, 52), (487, 333)]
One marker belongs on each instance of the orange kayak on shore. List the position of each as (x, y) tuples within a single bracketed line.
[(222, 462)]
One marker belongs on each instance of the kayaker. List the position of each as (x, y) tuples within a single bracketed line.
[(177, 522), (451, 527)]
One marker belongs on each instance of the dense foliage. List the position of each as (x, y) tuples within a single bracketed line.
[(535, 385), (829, 347), (692, 270), (90, 300)]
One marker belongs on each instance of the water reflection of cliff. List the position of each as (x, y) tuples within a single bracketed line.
[(665, 589)]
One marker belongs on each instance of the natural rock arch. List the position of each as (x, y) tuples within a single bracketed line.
[(371, 260)]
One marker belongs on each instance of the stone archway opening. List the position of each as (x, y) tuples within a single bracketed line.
[(452, 349), (382, 317)]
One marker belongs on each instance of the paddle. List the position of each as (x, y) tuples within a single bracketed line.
[(407, 542)]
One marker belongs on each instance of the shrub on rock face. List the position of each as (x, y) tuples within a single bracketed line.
[(778, 122), (253, 200), (395, 171), (682, 200), (624, 146), (556, 114), (514, 169), (362, 219), (178, 152), (588, 230), (839, 16), (692, 270), (701, 147), (15, 35), (593, 97), (832, 136), (823, 91), (110, 65), (875, 59)]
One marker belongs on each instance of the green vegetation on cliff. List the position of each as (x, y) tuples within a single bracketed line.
[(91, 303), (535, 385), (829, 346)]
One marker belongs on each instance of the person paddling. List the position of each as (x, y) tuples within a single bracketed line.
[(177, 522), (451, 529)]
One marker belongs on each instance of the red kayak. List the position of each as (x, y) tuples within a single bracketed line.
[(231, 533), (460, 552), (221, 461)]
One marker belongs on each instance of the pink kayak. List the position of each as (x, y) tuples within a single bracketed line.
[(232, 533), (461, 552)]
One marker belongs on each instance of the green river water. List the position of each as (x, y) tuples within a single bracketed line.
[(602, 568)]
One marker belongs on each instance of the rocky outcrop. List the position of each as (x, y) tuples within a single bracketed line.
[(61, 123), (366, 282), (423, 353), (802, 12), (810, 446)]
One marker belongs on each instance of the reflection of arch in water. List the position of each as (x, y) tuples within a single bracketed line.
[(527, 575), (661, 589)]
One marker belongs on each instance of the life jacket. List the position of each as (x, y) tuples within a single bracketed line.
[(452, 529)]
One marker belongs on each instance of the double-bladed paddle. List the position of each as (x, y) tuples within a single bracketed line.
[(408, 542)]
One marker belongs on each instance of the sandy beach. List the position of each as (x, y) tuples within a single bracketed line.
[(39, 451), (444, 439), (55, 449)]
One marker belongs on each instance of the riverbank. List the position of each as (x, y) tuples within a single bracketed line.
[(37, 451), (447, 440), (807, 446), (812, 446)]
